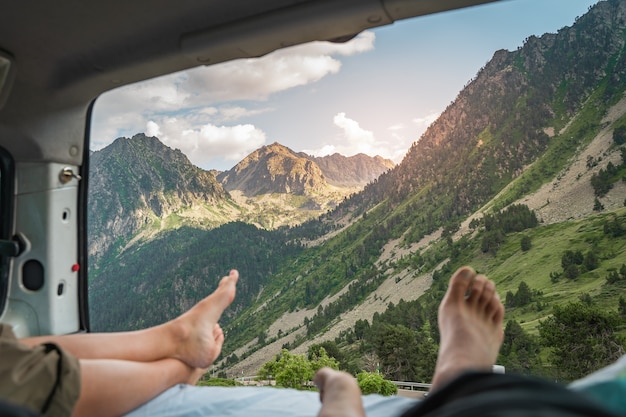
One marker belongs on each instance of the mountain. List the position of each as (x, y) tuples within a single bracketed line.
[(136, 183), (276, 186), (277, 169), (140, 187), (543, 121), (351, 171), (274, 169), (170, 207), (548, 96), (533, 124)]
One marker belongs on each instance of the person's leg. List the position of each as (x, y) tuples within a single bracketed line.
[(189, 337), (113, 387), (470, 324)]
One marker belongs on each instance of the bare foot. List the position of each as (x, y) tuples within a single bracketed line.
[(198, 344), (339, 393), (470, 323), (198, 373)]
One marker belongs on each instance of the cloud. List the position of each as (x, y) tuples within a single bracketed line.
[(105, 130), (227, 113), (153, 129), (388, 142), (356, 138), (398, 126), (206, 99), (424, 122), (208, 143), (254, 80), (258, 78), (353, 140)]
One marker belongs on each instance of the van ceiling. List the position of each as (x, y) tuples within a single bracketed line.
[(67, 52)]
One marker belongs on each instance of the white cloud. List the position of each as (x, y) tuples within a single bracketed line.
[(355, 137), (387, 142), (424, 122), (208, 111), (401, 145), (353, 140), (323, 151), (398, 126), (209, 142), (105, 130), (202, 99), (228, 113), (258, 78), (152, 129)]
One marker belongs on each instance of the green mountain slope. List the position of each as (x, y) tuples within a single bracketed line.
[(524, 117), (137, 184), (151, 283), (527, 117)]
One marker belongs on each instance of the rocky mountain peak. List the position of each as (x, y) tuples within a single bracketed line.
[(133, 181), (351, 171), (274, 169)]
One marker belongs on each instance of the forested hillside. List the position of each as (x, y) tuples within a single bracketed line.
[(135, 183), (365, 279), (520, 124), (546, 99), (148, 202), (167, 275)]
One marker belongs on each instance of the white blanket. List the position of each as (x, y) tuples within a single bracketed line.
[(192, 401)]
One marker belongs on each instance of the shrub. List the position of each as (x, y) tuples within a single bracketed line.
[(612, 277), (295, 370), (374, 383), (218, 382), (585, 298), (554, 277), (619, 135), (597, 205), (571, 271), (591, 261), (572, 258)]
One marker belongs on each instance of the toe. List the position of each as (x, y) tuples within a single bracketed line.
[(217, 331), (497, 309), (223, 296), (485, 300), (476, 291), (461, 283), (320, 379)]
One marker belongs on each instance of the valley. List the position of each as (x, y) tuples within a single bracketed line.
[(564, 205), (523, 177)]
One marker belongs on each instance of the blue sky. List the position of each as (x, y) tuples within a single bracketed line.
[(375, 94)]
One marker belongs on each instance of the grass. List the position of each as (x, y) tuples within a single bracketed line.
[(511, 265)]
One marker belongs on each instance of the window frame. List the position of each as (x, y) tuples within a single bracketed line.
[(7, 204)]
